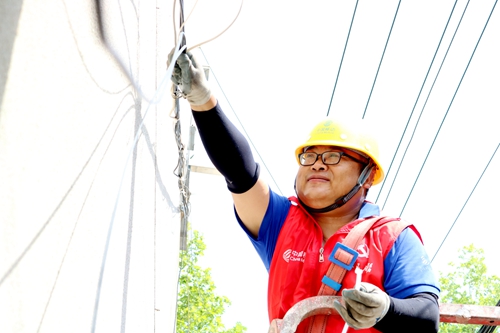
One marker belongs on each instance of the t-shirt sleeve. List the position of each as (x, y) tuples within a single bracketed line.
[(275, 216), (407, 268)]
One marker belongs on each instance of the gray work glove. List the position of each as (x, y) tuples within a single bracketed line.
[(189, 76), (364, 307)]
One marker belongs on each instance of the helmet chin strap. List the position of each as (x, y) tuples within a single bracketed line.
[(343, 199)]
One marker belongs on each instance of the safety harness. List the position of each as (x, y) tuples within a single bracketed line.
[(343, 257)]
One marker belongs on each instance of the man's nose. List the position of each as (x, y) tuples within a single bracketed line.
[(319, 165)]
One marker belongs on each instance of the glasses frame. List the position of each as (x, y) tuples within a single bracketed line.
[(323, 159)]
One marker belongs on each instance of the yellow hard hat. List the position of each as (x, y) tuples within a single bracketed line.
[(350, 134)]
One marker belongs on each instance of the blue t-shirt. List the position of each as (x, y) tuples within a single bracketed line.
[(407, 268)]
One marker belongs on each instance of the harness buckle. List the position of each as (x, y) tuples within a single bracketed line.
[(338, 246)]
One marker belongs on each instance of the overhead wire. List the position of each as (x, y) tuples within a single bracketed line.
[(210, 39), (100, 9), (159, 91), (342, 59), (381, 59), (28, 247), (84, 61), (241, 124), (181, 17), (465, 203), (69, 243), (110, 227), (223, 31), (413, 109), (448, 109)]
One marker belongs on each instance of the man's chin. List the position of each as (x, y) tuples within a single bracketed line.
[(317, 203)]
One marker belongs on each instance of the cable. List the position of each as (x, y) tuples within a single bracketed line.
[(381, 59), (244, 130), (449, 106), (180, 172), (223, 31), (183, 23), (181, 20), (84, 61), (42, 229), (465, 204), (413, 109), (182, 165), (128, 72), (84, 201), (111, 223), (342, 59)]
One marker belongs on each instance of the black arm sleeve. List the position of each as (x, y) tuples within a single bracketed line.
[(417, 313), (228, 149)]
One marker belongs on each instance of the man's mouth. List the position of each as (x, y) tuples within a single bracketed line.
[(318, 178)]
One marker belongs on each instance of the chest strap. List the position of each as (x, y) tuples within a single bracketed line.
[(343, 258)]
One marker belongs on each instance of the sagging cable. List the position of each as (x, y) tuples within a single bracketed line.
[(168, 75)]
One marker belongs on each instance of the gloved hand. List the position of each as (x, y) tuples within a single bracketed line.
[(363, 308), (189, 76)]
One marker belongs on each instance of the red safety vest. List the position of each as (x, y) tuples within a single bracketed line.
[(300, 261)]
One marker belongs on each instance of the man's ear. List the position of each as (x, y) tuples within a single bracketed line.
[(368, 183)]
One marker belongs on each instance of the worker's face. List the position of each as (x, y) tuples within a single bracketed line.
[(319, 185)]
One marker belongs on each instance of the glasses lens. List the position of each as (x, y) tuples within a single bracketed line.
[(331, 157), (307, 158)]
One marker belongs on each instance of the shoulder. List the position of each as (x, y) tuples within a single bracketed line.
[(406, 257), (387, 226)]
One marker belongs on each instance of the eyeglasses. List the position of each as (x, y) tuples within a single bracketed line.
[(328, 158)]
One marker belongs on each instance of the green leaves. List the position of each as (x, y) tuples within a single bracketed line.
[(199, 309), (468, 283)]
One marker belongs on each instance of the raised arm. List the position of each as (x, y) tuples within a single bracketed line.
[(226, 147)]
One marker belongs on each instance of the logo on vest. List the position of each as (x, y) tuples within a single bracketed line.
[(291, 255), (364, 251), (368, 267)]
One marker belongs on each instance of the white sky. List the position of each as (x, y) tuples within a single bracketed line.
[(277, 66)]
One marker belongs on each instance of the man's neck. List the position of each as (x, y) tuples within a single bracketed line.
[(331, 222)]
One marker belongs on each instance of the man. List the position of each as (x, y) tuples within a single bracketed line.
[(298, 238)]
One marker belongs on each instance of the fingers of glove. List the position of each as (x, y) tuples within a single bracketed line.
[(347, 316), (197, 72), (184, 69), (184, 62), (194, 61), (177, 76), (342, 311), (369, 295), (357, 299), (177, 72), (369, 301), (359, 309)]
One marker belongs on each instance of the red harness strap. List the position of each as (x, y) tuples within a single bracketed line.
[(336, 272)]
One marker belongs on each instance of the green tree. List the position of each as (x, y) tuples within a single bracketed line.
[(468, 283), (199, 309)]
